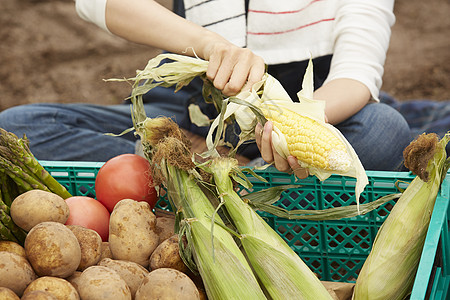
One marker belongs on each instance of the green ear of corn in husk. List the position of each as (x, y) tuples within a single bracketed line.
[(299, 127), (222, 266), (280, 270), (390, 268), (218, 259), (224, 275)]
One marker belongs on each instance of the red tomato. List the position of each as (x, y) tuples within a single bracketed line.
[(89, 213), (126, 176)]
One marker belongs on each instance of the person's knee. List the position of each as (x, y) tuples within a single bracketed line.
[(379, 136), (13, 118)]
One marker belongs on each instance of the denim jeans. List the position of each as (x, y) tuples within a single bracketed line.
[(422, 115), (72, 132)]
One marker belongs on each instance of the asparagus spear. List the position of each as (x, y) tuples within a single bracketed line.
[(20, 154), (13, 158), (20, 177), (16, 231), (8, 188), (5, 234)]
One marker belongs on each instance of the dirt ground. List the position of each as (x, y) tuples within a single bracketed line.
[(48, 54)]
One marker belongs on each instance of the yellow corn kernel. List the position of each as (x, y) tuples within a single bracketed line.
[(309, 141)]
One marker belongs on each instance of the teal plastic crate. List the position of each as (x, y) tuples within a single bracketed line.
[(334, 250)]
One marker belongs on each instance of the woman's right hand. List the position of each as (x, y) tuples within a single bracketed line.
[(232, 68)]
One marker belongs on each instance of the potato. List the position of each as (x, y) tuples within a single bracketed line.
[(132, 234), (36, 206), (39, 295), (166, 283), (74, 278), (53, 250), (131, 272), (7, 294), (167, 255), (58, 287), (90, 245), (165, 228), (99, 283), (15, 272), (105, 251), (12, 247)]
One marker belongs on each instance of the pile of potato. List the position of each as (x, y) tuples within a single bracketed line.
[(139, 261)]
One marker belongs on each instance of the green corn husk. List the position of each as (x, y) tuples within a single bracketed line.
[(217, 257), (223, 274), (280, 270), (390, 268), (264, 200), (221, 264)]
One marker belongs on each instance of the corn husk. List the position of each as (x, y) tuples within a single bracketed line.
[(279, 269), (173, 69), (217, 257), (211, 250), (275, 98), (390, 268)]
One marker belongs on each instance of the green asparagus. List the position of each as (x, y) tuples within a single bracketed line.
[(19, 151), (20, 171), (17, 232)]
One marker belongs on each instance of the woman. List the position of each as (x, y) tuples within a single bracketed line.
[(347, 40)]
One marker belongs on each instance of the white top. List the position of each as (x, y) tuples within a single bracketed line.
[(92, 11), (356, 32)]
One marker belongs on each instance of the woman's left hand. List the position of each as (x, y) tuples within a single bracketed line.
[(263, 136)]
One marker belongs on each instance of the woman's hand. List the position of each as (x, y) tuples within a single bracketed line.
[(290, 165), (232, 68)]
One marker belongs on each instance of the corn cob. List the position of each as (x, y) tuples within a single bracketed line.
[(309, 141), (299, 129)]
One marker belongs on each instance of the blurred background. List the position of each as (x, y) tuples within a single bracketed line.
[(49, 54)]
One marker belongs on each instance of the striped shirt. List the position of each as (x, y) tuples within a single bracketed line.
[(355, 32)]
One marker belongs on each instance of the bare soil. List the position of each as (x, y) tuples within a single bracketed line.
[(49, 54)]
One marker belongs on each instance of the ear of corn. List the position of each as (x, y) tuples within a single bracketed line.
[(221, 264), (309, 141), (299, 129), (280, 270), (390, 268), (224, 275), (306, 129)]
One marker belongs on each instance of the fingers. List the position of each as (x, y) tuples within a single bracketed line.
[(263, 137), (220, 67), (258, 134), (256, 73), (300, 172), (266, 143), (231, 68)]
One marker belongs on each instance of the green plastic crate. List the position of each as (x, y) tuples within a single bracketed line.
[(334, 250)]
